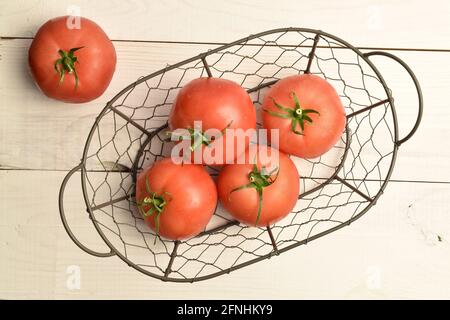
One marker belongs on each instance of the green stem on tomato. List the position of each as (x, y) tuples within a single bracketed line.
[(67, 64), (297, 115), (197, 137), (258, 180), (155, 204)]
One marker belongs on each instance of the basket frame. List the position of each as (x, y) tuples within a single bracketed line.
[(202, 57)]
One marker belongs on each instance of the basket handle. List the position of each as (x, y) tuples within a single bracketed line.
[(416, 84), (64, 220)]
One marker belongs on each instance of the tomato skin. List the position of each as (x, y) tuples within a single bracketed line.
[(95, 66), (191, 197), (313, 92), (218, 104), (279, 198)]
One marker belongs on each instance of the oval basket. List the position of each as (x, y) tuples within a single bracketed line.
[(336, 188)]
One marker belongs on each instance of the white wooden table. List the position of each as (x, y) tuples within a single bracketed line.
[(400, 249)]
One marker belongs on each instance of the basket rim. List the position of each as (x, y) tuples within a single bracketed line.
[(202, 56)]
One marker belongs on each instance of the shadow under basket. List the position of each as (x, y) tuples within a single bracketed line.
[(336, 188)]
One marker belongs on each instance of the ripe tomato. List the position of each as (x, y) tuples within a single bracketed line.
[(72, 65), (307, 111), (177, 201), (260, 193), (218, 104)]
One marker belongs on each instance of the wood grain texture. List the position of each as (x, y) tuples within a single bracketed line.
[(363, 23), (392, 252), (44, 134)]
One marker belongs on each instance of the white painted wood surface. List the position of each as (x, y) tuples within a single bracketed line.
[(400, 249), (373, 23)]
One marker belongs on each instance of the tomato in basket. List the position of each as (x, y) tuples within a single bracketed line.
[(176, 200), (215, 104), (308, 113), (261, 188)]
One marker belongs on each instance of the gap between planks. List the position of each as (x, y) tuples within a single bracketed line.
[(224, 43), (310, 178)]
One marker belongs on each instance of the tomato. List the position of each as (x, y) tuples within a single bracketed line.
[(72, 64), (217, 104), (308, 113), (176, 201), (260, 193)]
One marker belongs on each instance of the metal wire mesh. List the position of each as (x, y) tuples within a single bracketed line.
[(336, 188)]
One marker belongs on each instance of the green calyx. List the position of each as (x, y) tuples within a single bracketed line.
[(155, 204), (67, 64), (297, 115), (258, 180), (197, 137)]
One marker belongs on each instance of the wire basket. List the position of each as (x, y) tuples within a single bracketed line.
[(336, 188)]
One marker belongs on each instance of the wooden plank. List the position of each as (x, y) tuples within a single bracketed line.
[(38, 133), (405, 234), (363, 23), (61, 143)]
